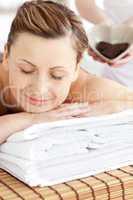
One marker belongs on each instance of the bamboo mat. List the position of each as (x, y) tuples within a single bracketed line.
[(112, 185)]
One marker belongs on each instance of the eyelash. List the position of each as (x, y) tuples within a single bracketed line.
[(26, 72), (56, 78)]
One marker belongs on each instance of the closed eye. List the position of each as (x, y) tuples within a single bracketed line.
[(30, 72), (57, 77), (26, 72)]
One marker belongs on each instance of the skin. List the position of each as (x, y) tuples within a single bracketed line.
[(32, 72), (48, 70)]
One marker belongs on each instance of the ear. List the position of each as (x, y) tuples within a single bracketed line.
[(5, 58)]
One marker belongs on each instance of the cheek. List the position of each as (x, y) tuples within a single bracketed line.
[(18, 80), (63, 89), (17, 84)]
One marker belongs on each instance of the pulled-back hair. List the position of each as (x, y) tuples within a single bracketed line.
[(49, 20)]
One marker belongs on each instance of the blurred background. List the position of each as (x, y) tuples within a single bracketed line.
[(8, 10)]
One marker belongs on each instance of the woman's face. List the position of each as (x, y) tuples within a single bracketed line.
[(40, 72)]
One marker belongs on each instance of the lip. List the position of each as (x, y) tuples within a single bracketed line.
[(36, 101)]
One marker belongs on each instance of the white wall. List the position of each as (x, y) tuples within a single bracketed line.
[(7, 13)]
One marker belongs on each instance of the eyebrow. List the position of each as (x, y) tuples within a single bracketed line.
[(35, 66)]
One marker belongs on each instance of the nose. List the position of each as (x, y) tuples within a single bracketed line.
[(42, 85)]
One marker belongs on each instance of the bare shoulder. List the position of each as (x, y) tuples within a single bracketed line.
[(105, 89), (91, 88), (78, 87)]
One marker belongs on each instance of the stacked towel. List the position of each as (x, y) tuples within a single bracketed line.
[(51, 153)]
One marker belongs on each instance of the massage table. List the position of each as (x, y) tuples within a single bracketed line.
[(112, 185)]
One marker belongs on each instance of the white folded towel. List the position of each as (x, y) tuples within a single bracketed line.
[(38, 130), (42, 154), (60, 144), (54, 144), (76, 166)]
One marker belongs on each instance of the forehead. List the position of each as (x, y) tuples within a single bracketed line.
[(28, 46)]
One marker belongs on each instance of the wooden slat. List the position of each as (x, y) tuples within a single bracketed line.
[(113, 185)]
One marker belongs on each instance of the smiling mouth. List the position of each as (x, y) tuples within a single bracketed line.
[(36, 101)]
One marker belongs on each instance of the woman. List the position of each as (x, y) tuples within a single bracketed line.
[(115, 11), (40, 78)]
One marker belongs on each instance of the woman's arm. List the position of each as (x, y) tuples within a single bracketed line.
[(12, 123), (90, 11)]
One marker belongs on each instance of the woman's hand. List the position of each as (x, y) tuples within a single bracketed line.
[(94, 55), (12, 123), (107, 107), (77, 110), (119, 63), (127, 58), (124, 60), (65, 111)]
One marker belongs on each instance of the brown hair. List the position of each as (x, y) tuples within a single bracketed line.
[(49, 20)]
